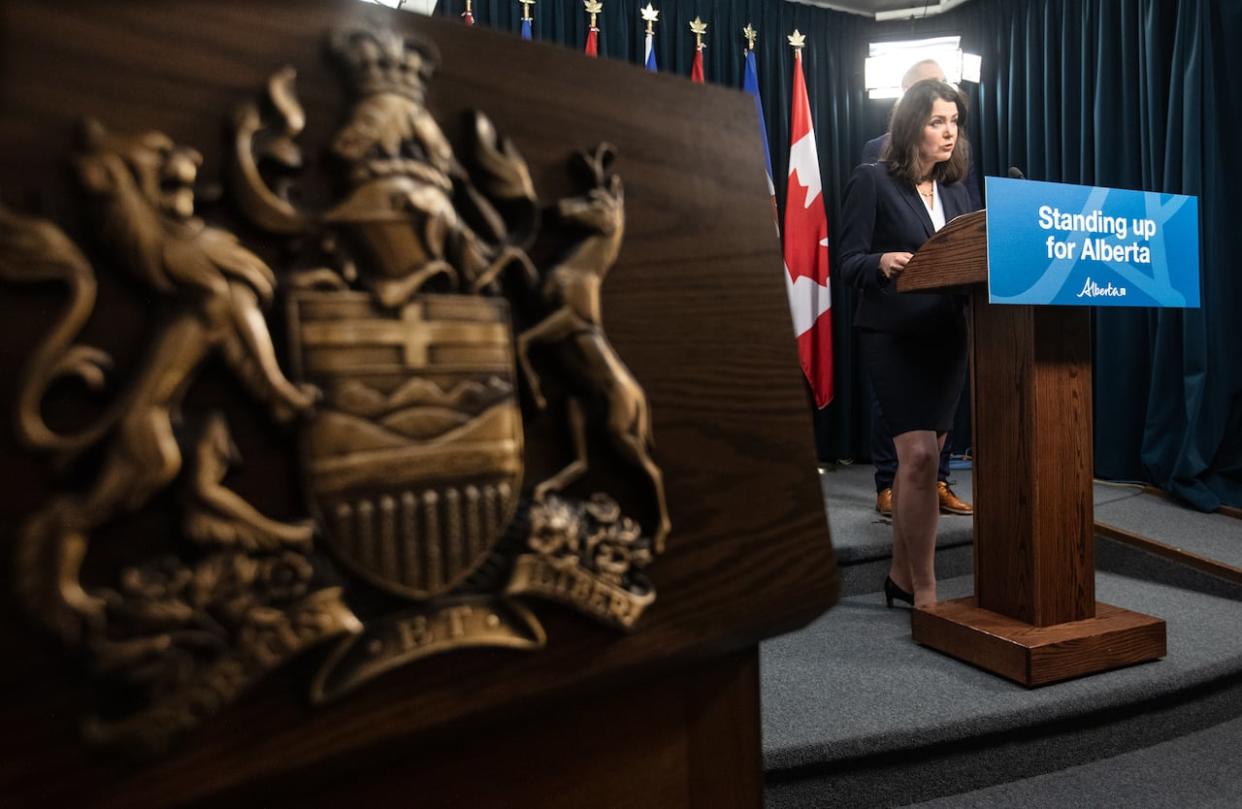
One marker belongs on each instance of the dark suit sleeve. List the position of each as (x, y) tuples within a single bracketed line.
[(859, 266), (871, 150)]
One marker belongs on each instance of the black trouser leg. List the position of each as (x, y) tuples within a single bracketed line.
[(883, 452)]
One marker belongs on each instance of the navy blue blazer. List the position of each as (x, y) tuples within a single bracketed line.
[(875, 147), (885, 215)]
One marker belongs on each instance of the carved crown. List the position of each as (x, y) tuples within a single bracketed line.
[(382, 61)]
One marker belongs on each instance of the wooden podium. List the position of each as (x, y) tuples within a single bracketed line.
[(1034, 618), (595, 705)]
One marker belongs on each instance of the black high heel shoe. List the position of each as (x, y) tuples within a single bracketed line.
[(892, 591)]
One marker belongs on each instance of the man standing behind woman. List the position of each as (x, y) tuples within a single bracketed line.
[(883, 454), (912, 345)]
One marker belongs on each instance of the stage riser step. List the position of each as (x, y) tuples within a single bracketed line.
[(918, 774), (867, 576), (861, 576)]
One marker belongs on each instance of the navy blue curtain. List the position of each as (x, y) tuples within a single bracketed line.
[(1141, 94), (833, 64)]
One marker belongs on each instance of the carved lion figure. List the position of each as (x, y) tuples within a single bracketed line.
[(209, 291)]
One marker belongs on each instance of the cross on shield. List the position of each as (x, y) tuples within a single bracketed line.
[(413, 463)]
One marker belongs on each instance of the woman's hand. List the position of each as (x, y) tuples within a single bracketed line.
[(891, 264)]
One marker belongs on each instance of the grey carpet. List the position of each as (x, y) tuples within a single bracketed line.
[(1114, 556), (854, 684), (867, 576), (1215, 536), (855, 714), (1201, 770), (921, 774), (860, 534), (1110, 492)]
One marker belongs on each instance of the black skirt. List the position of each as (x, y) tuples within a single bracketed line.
[(917, 379)]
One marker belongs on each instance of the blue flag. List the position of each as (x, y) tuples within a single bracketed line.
[(525, 29), (650, 61), (750, 83)]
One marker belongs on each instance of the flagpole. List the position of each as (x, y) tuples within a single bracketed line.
[(594, 8), (750, 84), (651, 16), (527, 19), (699, 28), (806, 241), (751, 33), (797, 41)]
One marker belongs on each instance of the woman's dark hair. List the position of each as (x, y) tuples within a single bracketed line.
[(905, 134)]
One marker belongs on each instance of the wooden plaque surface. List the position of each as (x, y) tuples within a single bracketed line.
[(957, 256), (695, 305)]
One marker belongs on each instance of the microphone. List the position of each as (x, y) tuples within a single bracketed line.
[(1015, 173)]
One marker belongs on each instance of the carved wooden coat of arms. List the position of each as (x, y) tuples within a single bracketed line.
[(418, 332)]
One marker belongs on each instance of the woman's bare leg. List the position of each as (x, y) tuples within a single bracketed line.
[(916, 512), (899, 568)]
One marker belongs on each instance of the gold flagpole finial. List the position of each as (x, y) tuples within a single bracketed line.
[(526, 4), (699, 28), (797, 40), (751, 35), (651, 16), (594, 8)]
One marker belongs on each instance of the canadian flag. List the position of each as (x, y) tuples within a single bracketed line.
[(806, 247)]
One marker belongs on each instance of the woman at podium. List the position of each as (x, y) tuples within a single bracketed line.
[(913, 345)]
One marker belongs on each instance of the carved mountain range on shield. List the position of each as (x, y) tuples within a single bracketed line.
[(364, 418)]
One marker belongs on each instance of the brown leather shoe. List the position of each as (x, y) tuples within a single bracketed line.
[(884, 502), (950, 503)]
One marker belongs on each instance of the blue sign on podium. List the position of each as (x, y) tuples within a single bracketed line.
[(1076, 245)]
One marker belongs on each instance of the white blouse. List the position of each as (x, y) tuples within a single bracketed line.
[(936, 209)]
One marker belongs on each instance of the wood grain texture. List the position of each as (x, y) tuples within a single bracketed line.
[(957, 256), (695, 305), (1003, 423), (690, 740), (1033, 515), (1064, 563), (1035, 656), (1033, 618)]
